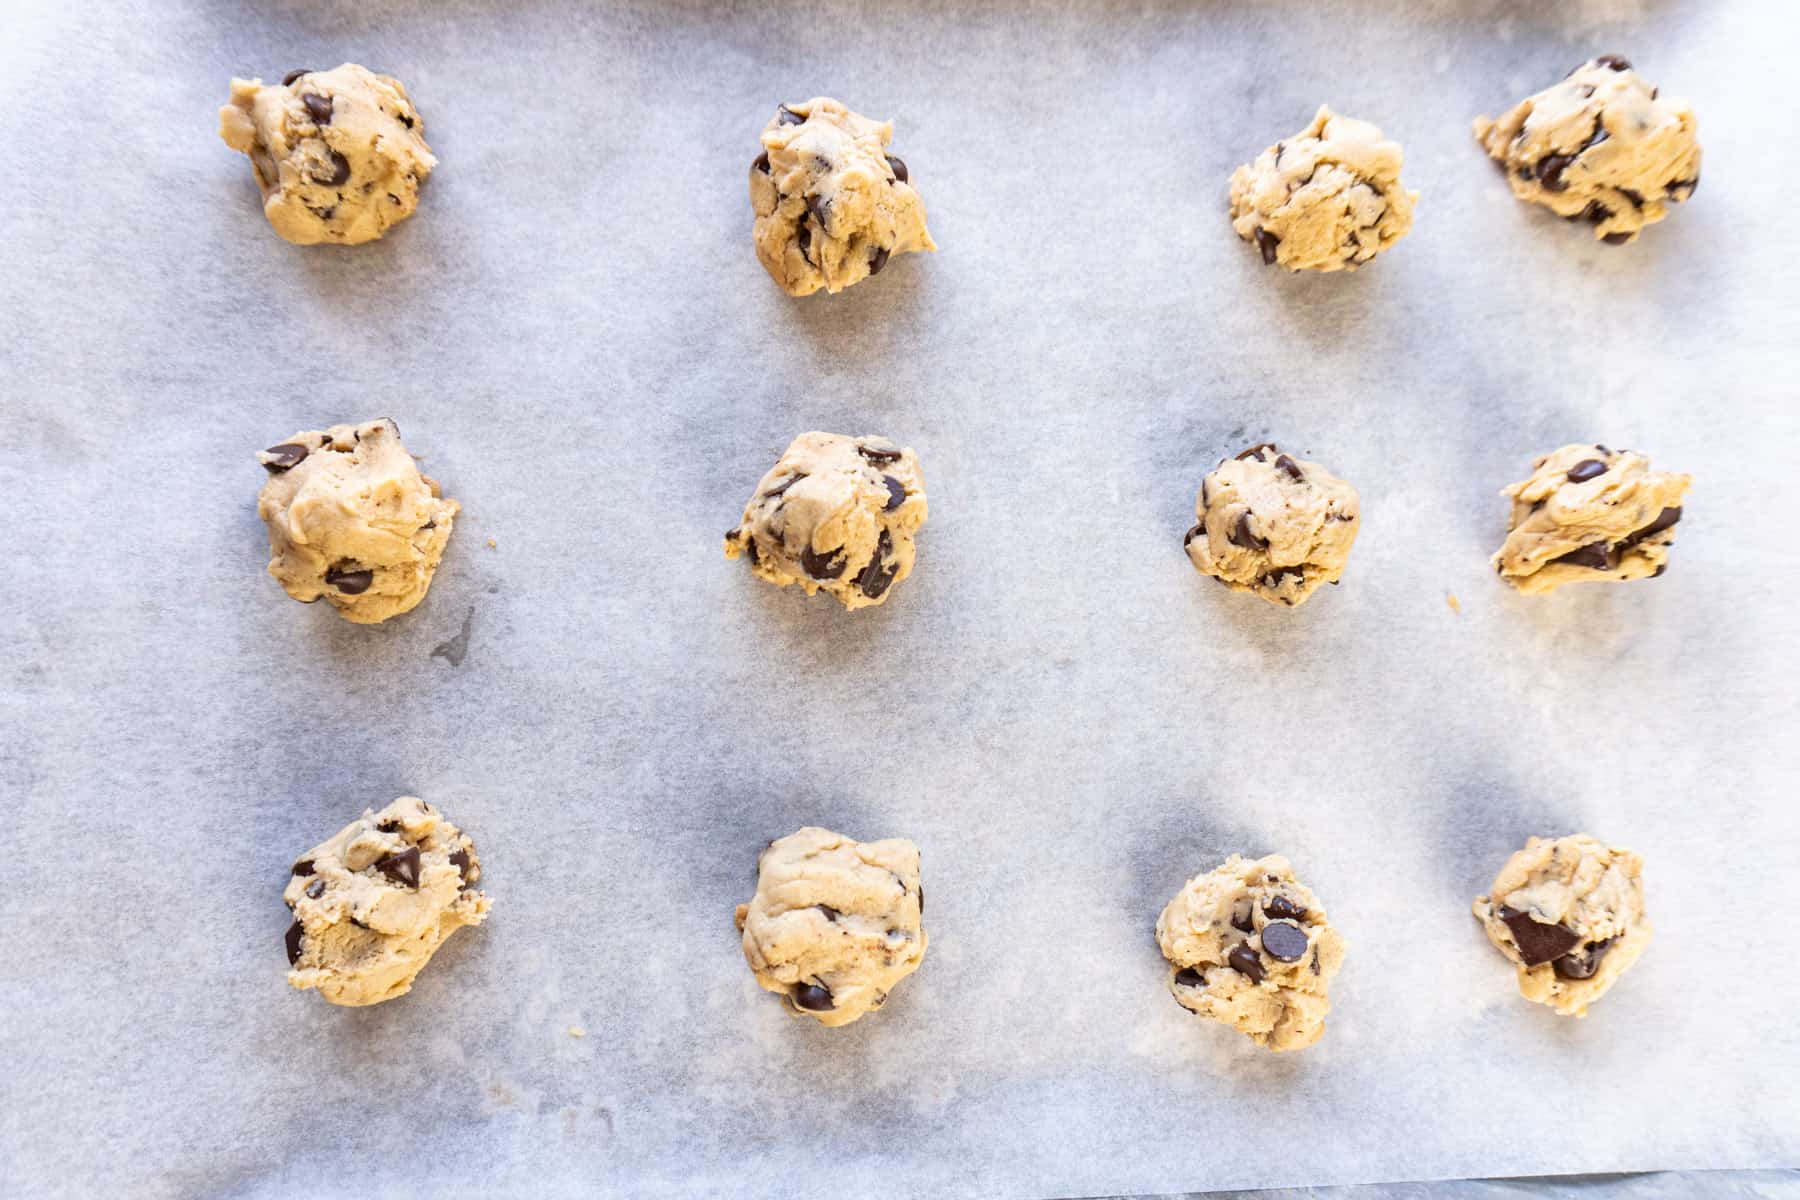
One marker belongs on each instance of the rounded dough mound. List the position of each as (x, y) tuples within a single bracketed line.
[(339, 154), (835, 923), (1602, 146), (1569, 913), (1273, 525), (1249, 946), (373, 904), (1589, 514), (832, 206), (835, 514), (1327, 199), (352, 520)]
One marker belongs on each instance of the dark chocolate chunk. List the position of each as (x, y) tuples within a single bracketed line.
[(1664, 520), (896, 493), (783, 486), (761, 163), (878, 259), (1582, 963), (1594, 213), (1636, 198), (303, 868), (824, 566), (832, 914), (1267, 242), (1244, 922), (813, 996), (295, 935), (389, 826), (1243, 960), (821, 212), (1586, 469), (1614, 62), (1550, 170), (1283, 909), (921, 900), (350, 582), (1188, 977), (402, 867), (1596, 557), (315, 889), (1196, 531), (878, 454), (340, 171), (1242, 535), (1291, 467), (876, 578), (1537, 941), (284, 457), (1616, 239), (1256, 451), (750, 547), (1284, 940), (1660, 568), (464, 864), (317, 107), (1690, 186), (288, 79), (788, 116), (899, 169), (803, 238)]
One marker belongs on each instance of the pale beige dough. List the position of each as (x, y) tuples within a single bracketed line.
[(1602, 146), (339, 154), (1327, 199), (1569, 914), (1589, 514), (832, 205), (1273, 525), (353, 521), (373, 904), (1250, 946), (835, 514), (835, 923)]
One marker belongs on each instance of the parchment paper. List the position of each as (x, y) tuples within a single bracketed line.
[(1069, 721)]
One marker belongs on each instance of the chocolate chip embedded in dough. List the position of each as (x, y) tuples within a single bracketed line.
[(464, 864), (1291, 467), (878, 454), (813, 997), (1595, 557), (296, 934), (1280, 908), (1537, 941), (284, 457), (303, 868), (315, 889), (1197, 531), (1188, 977), (288, 79), (761, 163), (1616, 239), (351, 582), (788, 116), (1243, 535), (1550, 170), (1256, 451), (1244, 961), (402, 867), (896, 493), (784, 485), (901, 174), (1586, 469), (340, 172), (1613, 62), (876, 578), (878, 259), (1582, 963), (1245, 922), (1284, 940), (1665, 519), (1267, 243), (317, 107), (829, 565)]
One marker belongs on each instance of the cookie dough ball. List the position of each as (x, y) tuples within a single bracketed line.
[(352, 520), (836, 514), (832, 205), (1569, 913), (1273, 525), (1602, 146), (339, 154), (373, 904), (1327, 199), (1249, 945), (1588, 515), (835, 923)]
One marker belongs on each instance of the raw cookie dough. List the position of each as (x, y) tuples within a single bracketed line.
[(1249, 945), (835, 513), (1600, 146), (1273, 525), (1569, 913), (351, 519), (339, 154), (373, 904), (832, 206), (835, 923), (1589, 514), (1327, 199)]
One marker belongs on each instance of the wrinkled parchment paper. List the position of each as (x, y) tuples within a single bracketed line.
[(576, 336)]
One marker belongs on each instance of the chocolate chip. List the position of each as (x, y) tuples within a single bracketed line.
[(389, 826), (303, 868), (464, 864), (1274, 578), (788, 116), (1596, 556), (1256, 451), (750, 547), (1243, 960), (318, 107), (878, 454), (1242, 535), (1283, 909), (814, 997), (877, 578), (340, 171), (899, 169), (896, 493), (761, 163), (824, 566), (803, 238), (1616, 239), (1613, 62), (351, 582), (783, 486), (1582, 963), (832, 914), (315, 889), (1538, 942), (277, 459), (1188, 977), (821, 212), (1664, 520), (1594, 213), (1244, 923), (878, 259), (1586, 469), (295, 935), (1284, 940), (1315, 962), (1550, 170), (921, 900), (288, 79), (1197, 531), (1287, 464), (1690, 186), (402, 867), (1267, 242), (1660, 568), (1636, 198)]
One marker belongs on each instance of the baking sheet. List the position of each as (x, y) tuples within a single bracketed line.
[(575, 335)]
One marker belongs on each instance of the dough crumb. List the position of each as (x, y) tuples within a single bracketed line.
[(576, 1031), (1453, 602), (492, 544)]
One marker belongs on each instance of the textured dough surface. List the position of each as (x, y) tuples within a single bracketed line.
[(832, 206), (339, 154), (1602, 146), (835, 923), (373, 904), (352, 520), (836, 514), (1327, 199), (1249, 946), (1569, 914), (1589, 514), (1273, 525)]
